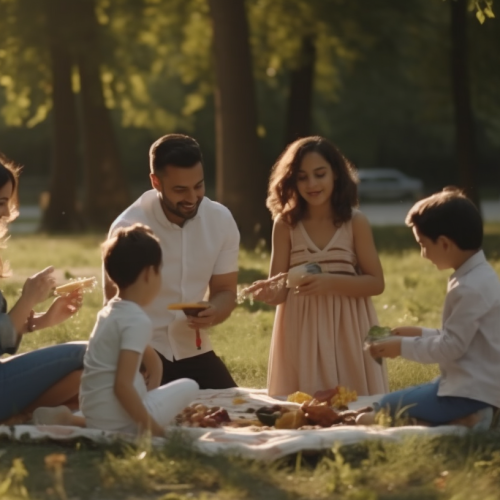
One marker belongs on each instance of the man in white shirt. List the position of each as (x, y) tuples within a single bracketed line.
[(200, 244), (449, 230)]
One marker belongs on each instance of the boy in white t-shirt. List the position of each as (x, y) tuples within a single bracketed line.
[(113, 392)]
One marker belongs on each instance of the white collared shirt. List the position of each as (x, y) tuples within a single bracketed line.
[(467, 347), (207, 245)]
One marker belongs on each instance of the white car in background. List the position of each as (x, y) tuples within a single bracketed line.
[(388, 184)]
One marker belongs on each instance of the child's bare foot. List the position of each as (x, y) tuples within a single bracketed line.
[(59, 415), (479, 421)]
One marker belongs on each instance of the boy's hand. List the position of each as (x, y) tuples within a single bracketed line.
[(407, 331), (386, 349)]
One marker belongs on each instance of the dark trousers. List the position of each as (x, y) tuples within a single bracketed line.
[(207, 370)]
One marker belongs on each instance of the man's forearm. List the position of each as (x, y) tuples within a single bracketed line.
[(224, 302)]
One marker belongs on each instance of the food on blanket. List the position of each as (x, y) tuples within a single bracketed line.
[(239, 401), (244, 422), (299, 397), (343, 397), (76, 284), (326, 395), (377, 334), (320, 414), (291, 420), (269, 414), (202, 416), (295, 273)]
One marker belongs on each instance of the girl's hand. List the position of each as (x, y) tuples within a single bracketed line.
[(314, 284), (61, 309), (386, 349), (38, 287), (266, 290)]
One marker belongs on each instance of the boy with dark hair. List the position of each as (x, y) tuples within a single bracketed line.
[(113, 393), (449, 230)]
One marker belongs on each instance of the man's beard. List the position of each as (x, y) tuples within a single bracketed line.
[(177, 209)]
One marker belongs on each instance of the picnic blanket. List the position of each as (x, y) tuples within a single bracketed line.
[(249, 442)]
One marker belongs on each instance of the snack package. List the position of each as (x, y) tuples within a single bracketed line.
[(377, 334), (296, 273)]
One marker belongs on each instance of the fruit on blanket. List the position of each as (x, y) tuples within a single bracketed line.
[(343, 397), (291, 420), (299, 397), (269, 414), (320, 414), (76, 284), (326, 395), (202, 416)]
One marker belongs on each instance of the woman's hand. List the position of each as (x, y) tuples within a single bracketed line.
[(61, 309), (38, 287)]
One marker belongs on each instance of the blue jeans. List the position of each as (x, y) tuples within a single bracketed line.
[(426, 405), (25, 377)]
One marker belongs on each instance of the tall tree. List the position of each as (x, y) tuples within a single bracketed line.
[(61, 213), (241, 177), (298, 123), (106, 190), (465, 139)]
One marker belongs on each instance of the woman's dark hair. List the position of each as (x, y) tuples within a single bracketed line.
[(9, 172), (283, 198), (176, 150), (448, 213), (128, 252)]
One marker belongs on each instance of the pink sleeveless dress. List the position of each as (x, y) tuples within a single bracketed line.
[(317, 340)]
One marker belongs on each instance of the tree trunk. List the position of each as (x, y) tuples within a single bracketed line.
[(241, 178), (61, 213), (298, 122), (464, 121), (106, 191)]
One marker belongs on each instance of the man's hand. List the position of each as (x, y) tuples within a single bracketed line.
[(386, 349), (205, 318)]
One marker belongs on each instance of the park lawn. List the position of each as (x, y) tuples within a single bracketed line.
[(447, 467)]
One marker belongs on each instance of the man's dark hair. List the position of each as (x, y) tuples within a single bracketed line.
[(128, 252), (176, 150), (448, 213)]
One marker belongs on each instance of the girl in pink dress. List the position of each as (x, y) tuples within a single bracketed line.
[(321, 323)]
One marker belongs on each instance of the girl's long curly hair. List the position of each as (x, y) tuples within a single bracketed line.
[(9, 172), (283, 198)]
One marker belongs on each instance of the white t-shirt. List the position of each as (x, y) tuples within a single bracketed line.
[(207, 245), (120, 325)]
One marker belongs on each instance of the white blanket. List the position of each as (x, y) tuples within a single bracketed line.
[(249, 442)]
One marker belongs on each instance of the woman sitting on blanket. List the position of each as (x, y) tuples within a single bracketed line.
[(48, 376), (114, 395)]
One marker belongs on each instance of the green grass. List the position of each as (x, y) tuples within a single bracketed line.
[(441, 468)]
